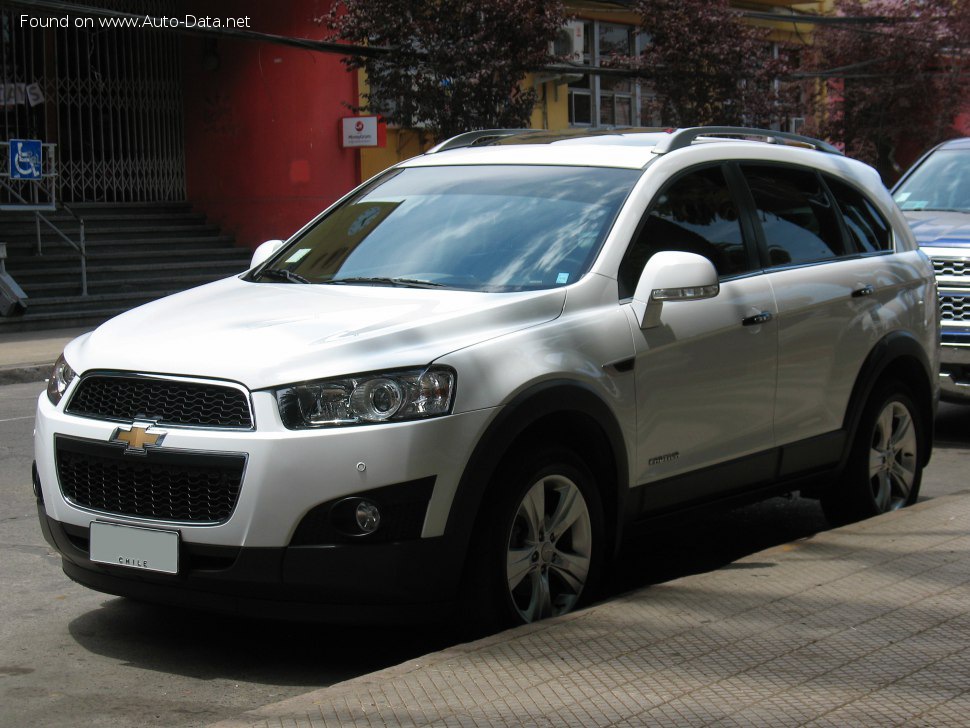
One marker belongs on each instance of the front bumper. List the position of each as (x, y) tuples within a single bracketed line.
[(955, 373), (276, 553), (411, 581)]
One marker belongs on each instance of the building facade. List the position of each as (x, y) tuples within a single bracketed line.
[(246, 131)]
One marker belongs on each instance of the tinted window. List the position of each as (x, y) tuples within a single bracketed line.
[(798, 221), (868, 229), (696, 214), (482, 228)]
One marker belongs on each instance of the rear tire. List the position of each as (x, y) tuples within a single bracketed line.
[(885, 466)]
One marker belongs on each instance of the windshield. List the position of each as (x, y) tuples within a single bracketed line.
[(942, 182), (480, 228)]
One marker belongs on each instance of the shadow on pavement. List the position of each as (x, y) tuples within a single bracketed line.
[(953, 426), (209, 646)]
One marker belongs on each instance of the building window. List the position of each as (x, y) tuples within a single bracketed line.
[(608, 101)]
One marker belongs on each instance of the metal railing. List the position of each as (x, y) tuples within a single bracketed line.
[(79, 246), (38, 208)]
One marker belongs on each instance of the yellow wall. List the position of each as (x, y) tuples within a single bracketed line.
[(401, 144)]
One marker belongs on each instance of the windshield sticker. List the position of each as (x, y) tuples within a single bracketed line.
[(914, 204), (562, 278), (297, 256), (902, 197)]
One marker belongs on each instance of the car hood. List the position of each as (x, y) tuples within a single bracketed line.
[(940, 229), (265, 334)]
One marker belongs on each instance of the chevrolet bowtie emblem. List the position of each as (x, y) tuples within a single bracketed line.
[(138, 438)]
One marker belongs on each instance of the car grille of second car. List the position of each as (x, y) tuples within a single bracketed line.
[(180, 486), (951, 267), (955, 307), (165, 401)]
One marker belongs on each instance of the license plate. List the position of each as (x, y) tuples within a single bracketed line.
[(147, 549)]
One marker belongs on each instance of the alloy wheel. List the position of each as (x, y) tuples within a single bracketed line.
[(549, 549)]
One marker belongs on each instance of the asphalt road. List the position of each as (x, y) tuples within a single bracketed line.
[(70, 656)]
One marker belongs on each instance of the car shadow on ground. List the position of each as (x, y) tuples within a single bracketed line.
[(209, 646), (953, 426)]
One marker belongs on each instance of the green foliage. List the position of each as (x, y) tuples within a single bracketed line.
[(709, 67), (455, 65), (899, 78)]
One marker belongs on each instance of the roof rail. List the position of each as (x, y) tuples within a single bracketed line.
[(475, 138), (681, 138)]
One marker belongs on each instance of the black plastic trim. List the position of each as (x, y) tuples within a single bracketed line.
[(896, 349), (404, 582), (403, 507), (555, 398)]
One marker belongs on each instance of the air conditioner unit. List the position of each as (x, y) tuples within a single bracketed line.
[(795, 124), (569, 42)]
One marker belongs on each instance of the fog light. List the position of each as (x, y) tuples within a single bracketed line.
[(368, 517)]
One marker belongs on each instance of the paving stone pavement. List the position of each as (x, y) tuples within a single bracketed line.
[(867, 625)]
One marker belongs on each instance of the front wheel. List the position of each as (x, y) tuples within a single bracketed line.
[(885, 466), (540, 543)]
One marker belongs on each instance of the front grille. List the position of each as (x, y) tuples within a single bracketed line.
[(955, 307), (951, 267), (161, 485), (165, 401)]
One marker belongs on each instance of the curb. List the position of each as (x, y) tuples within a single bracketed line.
[(24, 373)]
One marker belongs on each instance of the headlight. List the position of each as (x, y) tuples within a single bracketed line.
[(60, 380), (367, 398)]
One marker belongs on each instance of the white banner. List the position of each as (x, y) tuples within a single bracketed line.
[(12, 94)]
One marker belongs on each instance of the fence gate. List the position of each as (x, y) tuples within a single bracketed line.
[(109, 98)]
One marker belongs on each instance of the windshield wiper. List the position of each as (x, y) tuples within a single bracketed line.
[(384, 281), (281, 274)]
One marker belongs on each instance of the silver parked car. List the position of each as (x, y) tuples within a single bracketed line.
[(934, 195), (465, 381)]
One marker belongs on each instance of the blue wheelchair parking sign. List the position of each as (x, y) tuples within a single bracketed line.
[(25, 158)]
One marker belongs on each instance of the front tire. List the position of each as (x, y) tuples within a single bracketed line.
[(885, 466), (540, 541)]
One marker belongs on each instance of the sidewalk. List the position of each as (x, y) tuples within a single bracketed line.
[(867, 625), (28, 356)]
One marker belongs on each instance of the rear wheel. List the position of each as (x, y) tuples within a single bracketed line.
[(885, 466)]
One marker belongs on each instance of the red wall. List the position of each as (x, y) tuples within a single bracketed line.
[(262, 151)]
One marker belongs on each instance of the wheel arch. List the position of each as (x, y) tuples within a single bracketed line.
[(560, 411), (898, 355)]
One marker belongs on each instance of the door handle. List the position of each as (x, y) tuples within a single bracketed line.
[(758, 319), (864, 291)]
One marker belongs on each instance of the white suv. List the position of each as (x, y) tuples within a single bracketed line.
[(464, 381)]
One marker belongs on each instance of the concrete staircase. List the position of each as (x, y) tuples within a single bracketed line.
[(136, 252)]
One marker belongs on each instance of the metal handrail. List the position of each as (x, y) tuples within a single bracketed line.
[(80, 246)]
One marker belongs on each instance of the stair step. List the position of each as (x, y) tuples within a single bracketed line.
[(25, 250), (136, 252), (56, 320), (72, 287), (111, 231), (96, 257)]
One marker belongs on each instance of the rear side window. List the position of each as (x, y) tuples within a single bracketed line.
[(695, 214), (869, 231), (795, 214)]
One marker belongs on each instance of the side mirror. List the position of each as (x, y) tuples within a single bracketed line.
[(672, 276), (264, 251)]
